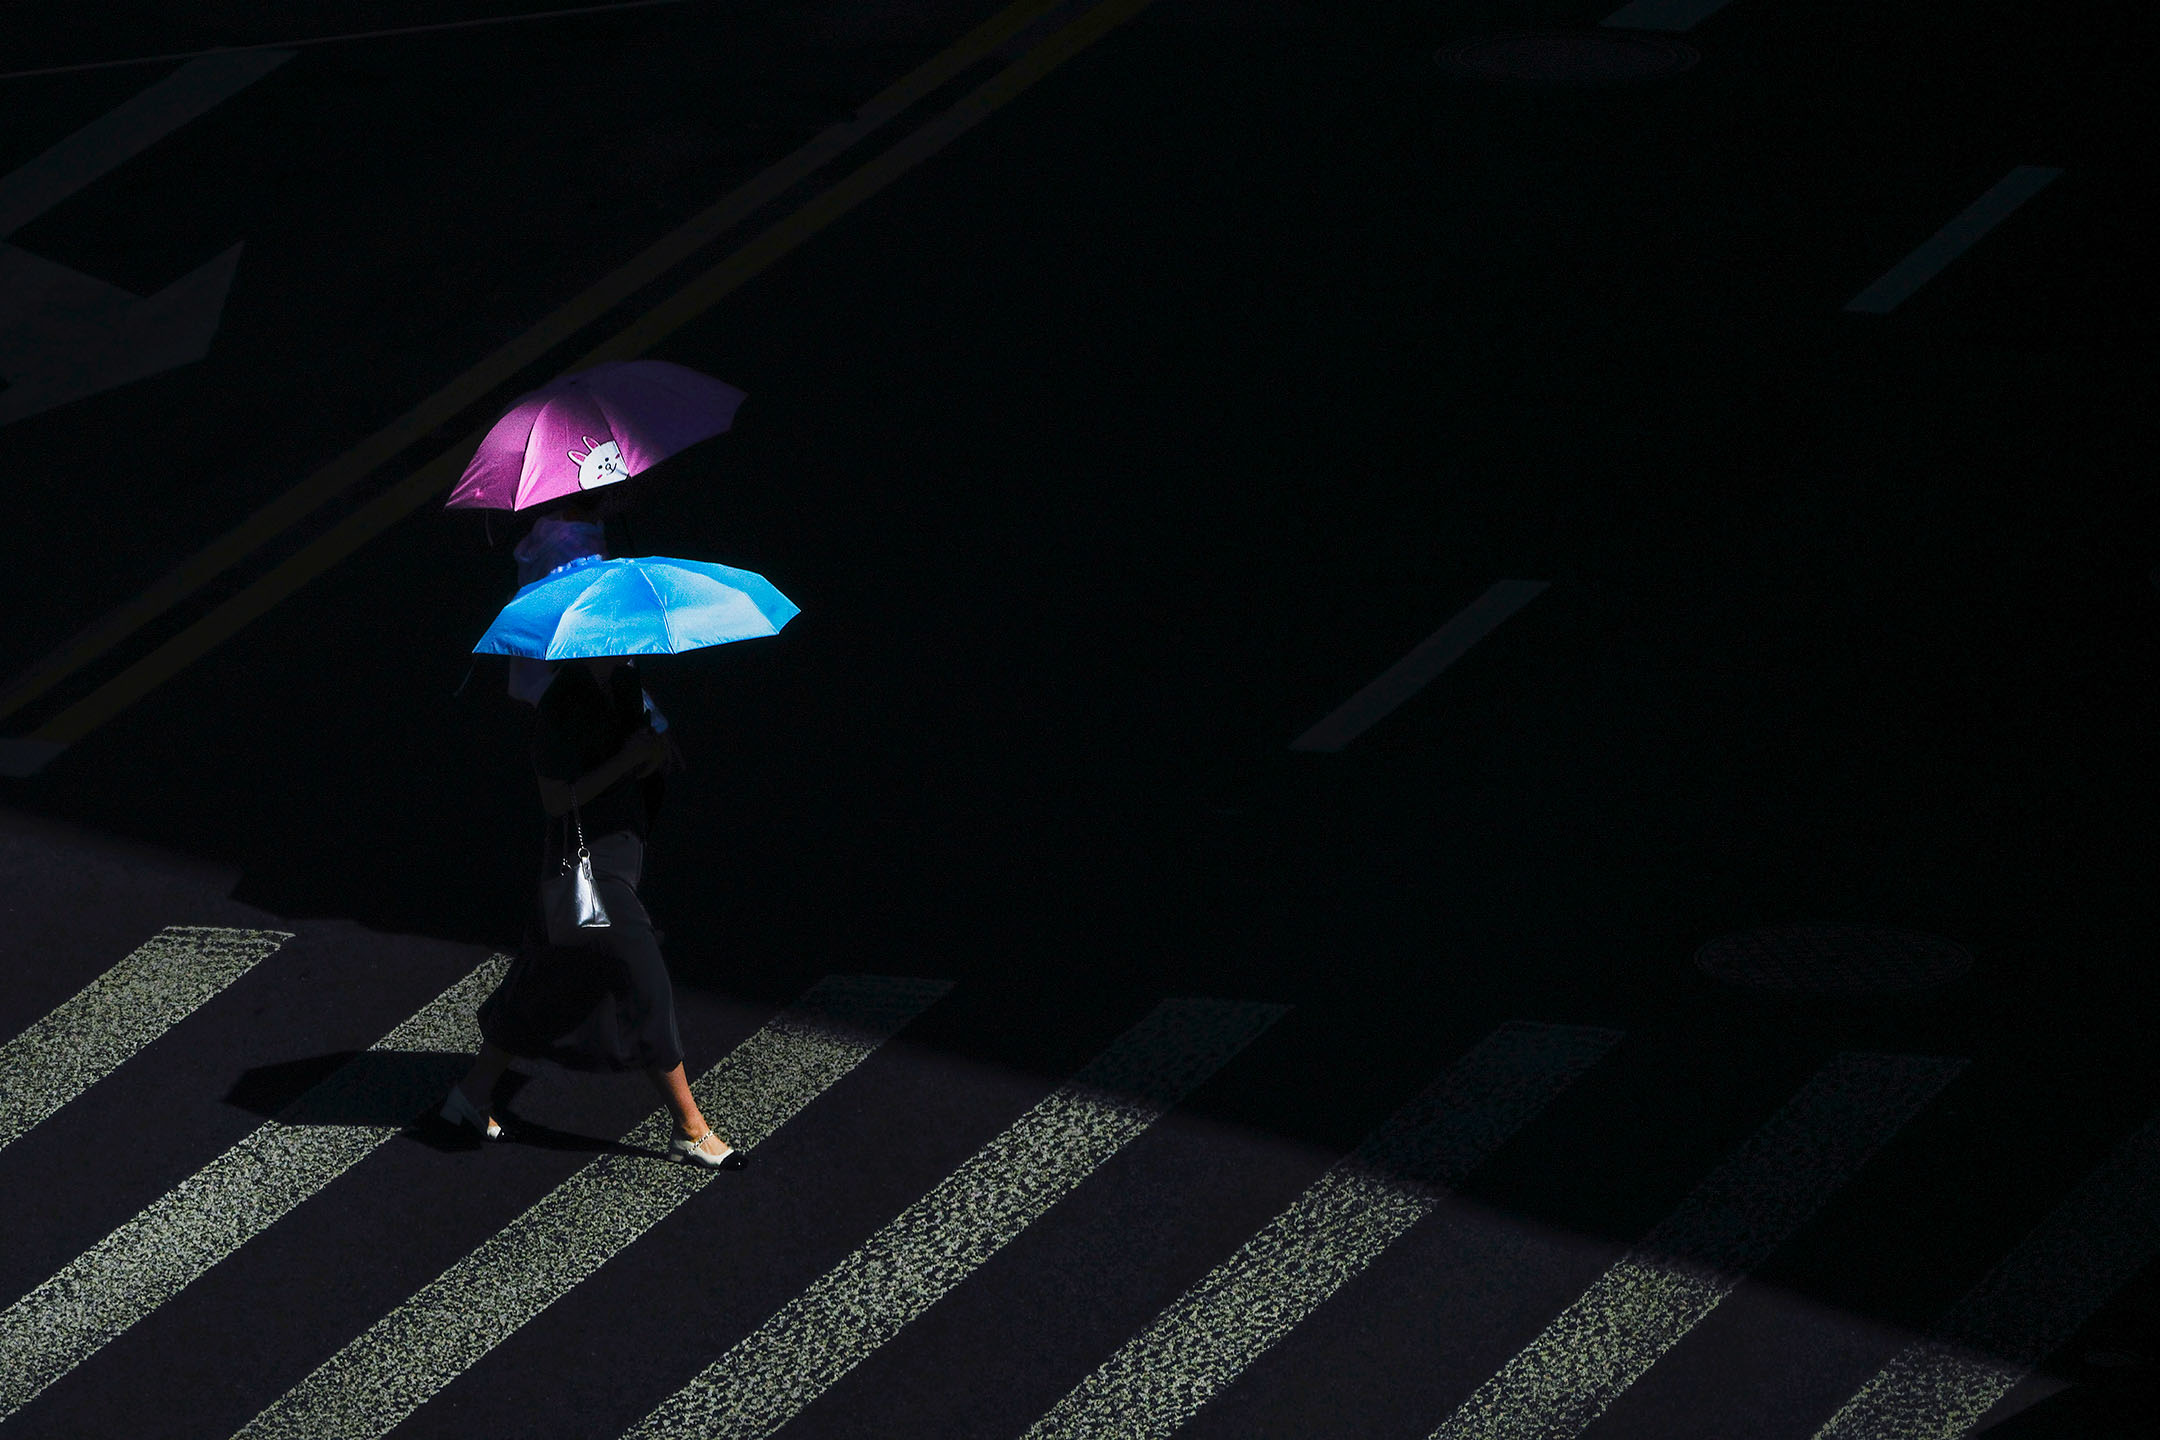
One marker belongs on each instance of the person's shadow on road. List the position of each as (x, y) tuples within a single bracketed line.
[(399, 1091)]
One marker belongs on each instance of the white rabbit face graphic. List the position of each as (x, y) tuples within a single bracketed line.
[(599, 463)]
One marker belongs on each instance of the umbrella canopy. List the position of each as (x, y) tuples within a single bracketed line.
[(648, 606), (594, 428)]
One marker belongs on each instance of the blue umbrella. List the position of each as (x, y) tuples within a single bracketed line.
[(649, 606)]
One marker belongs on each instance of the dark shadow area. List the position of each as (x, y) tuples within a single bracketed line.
[(520, 1130), (367, 1087), (266, 1090), (400, 1089), (2100, 1405)]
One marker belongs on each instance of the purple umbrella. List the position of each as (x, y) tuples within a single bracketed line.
[(591, 429)]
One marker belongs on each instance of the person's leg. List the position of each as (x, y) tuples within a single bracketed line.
[(479, 1082), (619, 861), (674, 1088)]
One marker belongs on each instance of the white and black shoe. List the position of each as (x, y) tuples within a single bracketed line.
[(699, 1151)]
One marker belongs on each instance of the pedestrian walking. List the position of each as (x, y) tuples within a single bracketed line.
[(588, 988), (605, 1004)]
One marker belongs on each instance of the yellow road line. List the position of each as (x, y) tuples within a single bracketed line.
[(131, 684), (386, 444)]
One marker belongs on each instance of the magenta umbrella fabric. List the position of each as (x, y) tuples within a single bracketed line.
[(590, 429)]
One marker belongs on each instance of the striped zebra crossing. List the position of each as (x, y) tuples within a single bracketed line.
[(766, 1379), (168, 1245), (1650, 1298), (1161, 1378), (92, 1033), (406, 1357), (2035, 1298)]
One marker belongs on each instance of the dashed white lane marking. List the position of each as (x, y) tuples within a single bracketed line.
[(1160, 1379), (219, 1208), (443, 1330), (941, 1239), (2106, 1231), (87, 1036), (1649, 1300), (1674, 15), (1953, 240), (1414, 671), (194, 89)]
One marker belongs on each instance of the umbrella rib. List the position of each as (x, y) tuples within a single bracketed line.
[(529, 476), (667, 626)]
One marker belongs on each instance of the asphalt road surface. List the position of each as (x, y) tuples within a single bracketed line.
[(1334, 584)]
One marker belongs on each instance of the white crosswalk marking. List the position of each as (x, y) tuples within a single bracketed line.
[(1416, 670), (2030, 1303), (472, 1307), (1897, 284), (941, 1239), (1160, 1379), (219, 1208), (1663, 14), (1648, 1301), (88, 1036), (112, 139)]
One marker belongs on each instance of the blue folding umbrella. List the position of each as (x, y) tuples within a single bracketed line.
[(649, 606)]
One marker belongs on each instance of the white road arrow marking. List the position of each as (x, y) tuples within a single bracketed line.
[(64, 335)]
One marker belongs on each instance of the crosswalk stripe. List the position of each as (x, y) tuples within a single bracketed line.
[(1730, 1223), (1161, 1378), (1897, 284), (163, 1249), (941, 1239), (2035, 1298), (87, 1036), (1663, 14), (1417, 669), (455, 1319)]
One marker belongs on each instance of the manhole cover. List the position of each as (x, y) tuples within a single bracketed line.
[(1569, 57), (1833, 959), (2114, 1359)]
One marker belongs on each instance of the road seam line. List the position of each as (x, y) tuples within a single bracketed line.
[(82, 66)]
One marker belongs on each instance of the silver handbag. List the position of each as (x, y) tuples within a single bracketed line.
[(570, 899)]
